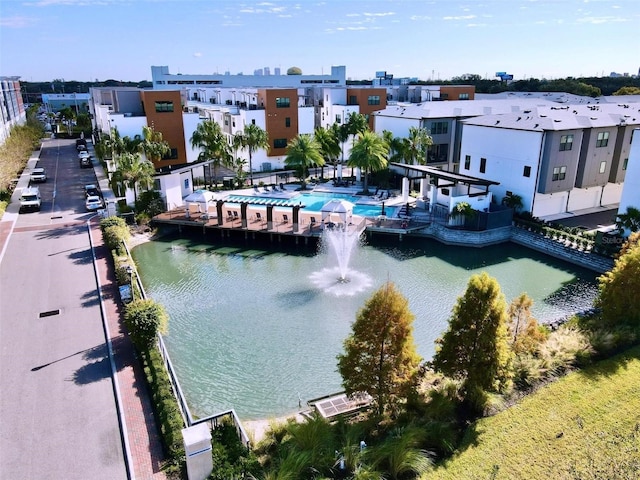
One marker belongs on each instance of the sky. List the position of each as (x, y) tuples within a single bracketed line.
[(88, 40)]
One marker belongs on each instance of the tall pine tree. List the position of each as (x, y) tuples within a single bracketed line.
[(475, 348), (380, 356)]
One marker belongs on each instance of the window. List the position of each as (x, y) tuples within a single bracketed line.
[(439, 128), (603, 139), (467, 162), (527, 171), (280, 143), (353, 100), (164, 106), (483, 165), (338, 118), (624, 163), (287, 122), (186, 184), (373, 100), (603, 167), (173, 154), (463, 96), (253, 121), (283, 102), (566, 142), (559, 173)]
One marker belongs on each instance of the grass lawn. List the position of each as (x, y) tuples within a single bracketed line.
[(583, 426)]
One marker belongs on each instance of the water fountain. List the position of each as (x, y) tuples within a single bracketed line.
[(340, 243)]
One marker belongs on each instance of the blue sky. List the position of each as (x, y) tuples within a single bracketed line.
[(120, 39)]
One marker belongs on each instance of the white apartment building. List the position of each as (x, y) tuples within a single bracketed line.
[(559, 159)]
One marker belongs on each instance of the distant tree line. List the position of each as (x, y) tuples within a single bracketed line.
[(588, 86)]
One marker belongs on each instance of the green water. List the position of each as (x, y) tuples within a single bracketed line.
[(250, 329)]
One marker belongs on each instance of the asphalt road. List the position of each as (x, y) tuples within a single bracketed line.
[(58, 416)]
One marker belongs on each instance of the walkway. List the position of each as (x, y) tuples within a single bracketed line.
[(144, 443), (141, 428)]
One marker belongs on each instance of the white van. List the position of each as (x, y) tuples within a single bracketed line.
[(30, 199)]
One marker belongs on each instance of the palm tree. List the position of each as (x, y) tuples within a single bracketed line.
[(418, 144), (357, 123), (399, 455), (153, 145), (354, 124), (629, 220), (132, 171), (254, 138), (329, 146), (303, 152), (213, 143), (398, 148), (369, 153)]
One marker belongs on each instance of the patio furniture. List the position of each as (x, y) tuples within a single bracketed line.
[(285, 218)]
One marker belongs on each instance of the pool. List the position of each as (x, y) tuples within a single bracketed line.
[(314, 201)]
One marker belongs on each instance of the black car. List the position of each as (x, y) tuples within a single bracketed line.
[(92, 190), (85, 162)]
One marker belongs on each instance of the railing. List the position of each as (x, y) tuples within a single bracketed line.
[(188, 419)]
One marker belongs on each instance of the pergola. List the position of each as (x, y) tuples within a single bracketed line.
[(441, 179)]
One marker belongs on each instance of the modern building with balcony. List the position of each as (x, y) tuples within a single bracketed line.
[(559, 159), (12, 111)]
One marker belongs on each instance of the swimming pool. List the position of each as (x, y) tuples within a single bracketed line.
[(314, 201)]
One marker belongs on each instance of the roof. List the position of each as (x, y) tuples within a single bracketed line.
[(563, 117), (441, 174)]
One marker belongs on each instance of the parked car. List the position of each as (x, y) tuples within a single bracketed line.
[(93, 203), (92, 191), (85, 162), (30, 199), (38, 175), (83, 154)]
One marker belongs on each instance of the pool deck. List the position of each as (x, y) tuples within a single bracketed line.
[(310, 223)]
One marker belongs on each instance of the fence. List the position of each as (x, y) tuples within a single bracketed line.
[(189, 421)]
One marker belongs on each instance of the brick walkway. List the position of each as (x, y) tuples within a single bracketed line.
[(141, 429)]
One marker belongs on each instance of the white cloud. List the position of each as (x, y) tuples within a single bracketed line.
[(197, 54), (601, 20), (17, 21), (460, 17), (385, 14)]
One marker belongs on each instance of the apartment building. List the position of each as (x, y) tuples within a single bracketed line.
[(130, 109), (443, 120), (12, 111), (560, 159), (163, 80)]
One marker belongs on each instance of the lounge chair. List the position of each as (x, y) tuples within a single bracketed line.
[(285, 218), (282, 187), (312, 223), (258, 217), (255, 189), (210, 213), (266, 188), (230, 216)]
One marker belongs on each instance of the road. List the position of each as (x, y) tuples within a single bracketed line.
[(58, 415)]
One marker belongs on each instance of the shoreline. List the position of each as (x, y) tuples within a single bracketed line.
[(257, 429)]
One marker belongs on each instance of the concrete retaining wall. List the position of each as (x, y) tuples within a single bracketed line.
[(551, 247), (535, 241)]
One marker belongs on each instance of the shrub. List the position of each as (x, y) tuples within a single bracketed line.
[(565, 348), (165, 406), (114, 237), (113, 221), (144, 319)]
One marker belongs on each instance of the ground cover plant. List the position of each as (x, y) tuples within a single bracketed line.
[(583, 426)]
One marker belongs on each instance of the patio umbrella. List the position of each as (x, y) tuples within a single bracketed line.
[(200, 196)]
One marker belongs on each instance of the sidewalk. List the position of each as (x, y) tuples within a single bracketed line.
[(140, 426)]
